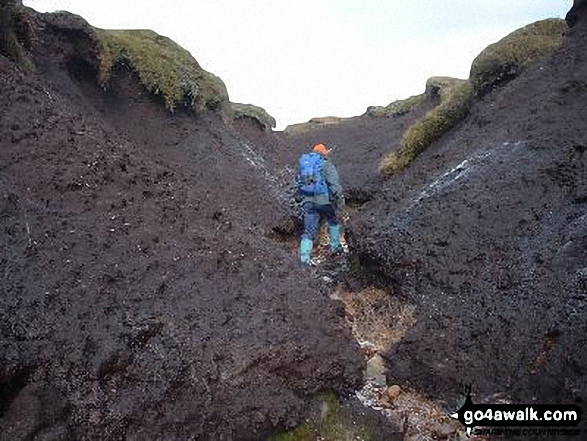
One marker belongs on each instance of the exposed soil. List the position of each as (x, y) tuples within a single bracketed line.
[(142, 296), (149, 282), (486, 234)]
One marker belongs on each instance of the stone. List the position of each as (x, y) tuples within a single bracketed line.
[(379, 381), (375, 367), (393, 392)]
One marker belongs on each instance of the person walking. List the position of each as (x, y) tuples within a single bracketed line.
[(321, 195)]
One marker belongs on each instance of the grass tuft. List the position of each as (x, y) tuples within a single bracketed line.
[(454, 106), (499, 62), (325, 120), (255, 112), (313, 124), (163, 67), (437, 87), (300, 128), (507, 58), (397, 108)]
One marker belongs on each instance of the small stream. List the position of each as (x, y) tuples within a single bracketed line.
[(378, 322)]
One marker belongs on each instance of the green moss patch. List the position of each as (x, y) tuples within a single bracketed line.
[(438, 87), (435, 87), (454, 106), (313, 124), (397, 108), (257, 113), (325, 120), (163, 67), (501, 61), (508, 57), (332, 423)]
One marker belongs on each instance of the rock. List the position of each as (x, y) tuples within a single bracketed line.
[(379, 381), (375, 367), (393, 392)]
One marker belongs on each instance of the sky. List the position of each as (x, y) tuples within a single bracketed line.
[(309, 58)]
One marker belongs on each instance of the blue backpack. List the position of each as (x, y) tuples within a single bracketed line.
[(311, 180)]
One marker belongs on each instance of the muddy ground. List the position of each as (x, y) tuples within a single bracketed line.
[(486, 234), (149, 289), (143, 296)]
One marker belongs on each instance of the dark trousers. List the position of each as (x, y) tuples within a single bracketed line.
[(312, 215)]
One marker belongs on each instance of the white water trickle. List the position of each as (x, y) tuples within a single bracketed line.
[(460, 172), (257, 161)]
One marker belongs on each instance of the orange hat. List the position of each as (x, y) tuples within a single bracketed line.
[(321, 148)]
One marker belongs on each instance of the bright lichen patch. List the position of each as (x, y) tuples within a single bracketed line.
[(163, 68), (508, 57), (454, 106), (255, 112)]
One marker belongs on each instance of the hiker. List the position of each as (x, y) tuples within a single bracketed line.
[(319, 191)]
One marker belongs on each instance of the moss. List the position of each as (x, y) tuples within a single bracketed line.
[(437, 87), (375, 111), (325, 120), (508, 57), (333, 423), (434, 88), (454, 106), (257, 113), (498, 62), (397, 108), (313, 124), (163, 67)]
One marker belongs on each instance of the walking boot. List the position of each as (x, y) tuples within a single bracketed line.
[(306, 252), (334, 235)]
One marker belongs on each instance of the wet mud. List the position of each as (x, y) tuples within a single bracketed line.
[(149, 284), (142, 295)]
